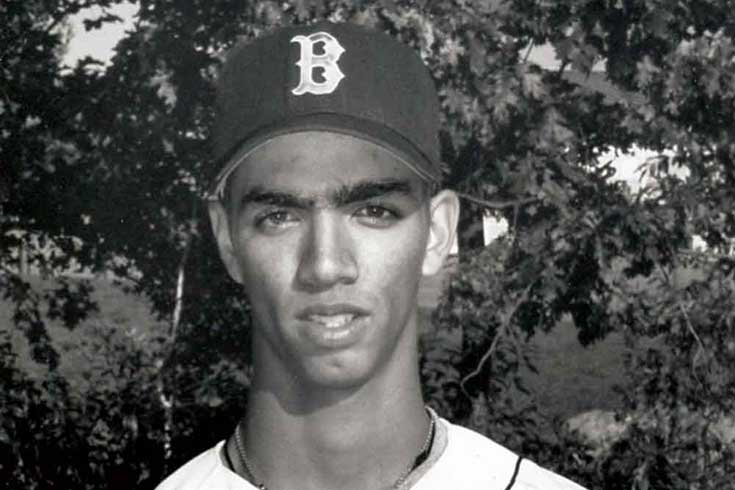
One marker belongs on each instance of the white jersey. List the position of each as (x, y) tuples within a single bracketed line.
[(460, 459)]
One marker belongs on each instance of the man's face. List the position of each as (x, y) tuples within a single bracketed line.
[(328, 235)]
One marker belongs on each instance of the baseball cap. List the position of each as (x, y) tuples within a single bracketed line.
[(342, 78)]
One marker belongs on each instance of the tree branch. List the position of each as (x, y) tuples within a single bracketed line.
[(504, 328), (528, 51), (54, 22), (690, 327), (497, 204)]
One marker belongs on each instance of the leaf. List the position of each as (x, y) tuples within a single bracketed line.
[(646, 72), (533, 85), (452, 50), (214, 401), (453, 100), (97, 23), (301, 7), (554, 130)]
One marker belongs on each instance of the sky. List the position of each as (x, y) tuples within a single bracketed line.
[(98, 43)]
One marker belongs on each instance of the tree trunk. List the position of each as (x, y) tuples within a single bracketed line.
[(166, 396)]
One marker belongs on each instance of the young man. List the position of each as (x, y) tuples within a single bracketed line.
[(326, 211)]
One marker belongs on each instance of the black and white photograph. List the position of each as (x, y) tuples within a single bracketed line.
[(367, 245)]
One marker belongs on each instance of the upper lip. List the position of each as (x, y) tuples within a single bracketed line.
[(330, 310)]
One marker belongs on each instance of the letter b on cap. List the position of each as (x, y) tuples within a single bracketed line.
[(327, 61)]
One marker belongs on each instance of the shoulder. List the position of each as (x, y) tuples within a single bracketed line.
[(478, 462), (472, 461), (533, 477), (205, 471)]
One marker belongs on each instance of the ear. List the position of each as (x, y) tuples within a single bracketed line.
[(444, 214), (221, 229)]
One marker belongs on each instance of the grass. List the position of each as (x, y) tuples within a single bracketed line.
[(118, 311), (571, 378)]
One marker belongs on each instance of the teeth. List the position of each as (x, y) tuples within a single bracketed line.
[(332, 321)]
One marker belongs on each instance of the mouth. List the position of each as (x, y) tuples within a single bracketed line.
[(333, 326), (332, 321), (331, 314)]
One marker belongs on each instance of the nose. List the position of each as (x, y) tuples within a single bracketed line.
[(327, 256)]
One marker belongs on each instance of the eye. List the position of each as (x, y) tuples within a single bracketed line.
[(274, 220), (375, 215)]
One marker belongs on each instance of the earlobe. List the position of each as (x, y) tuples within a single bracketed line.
[(442, 231), (221, 229)]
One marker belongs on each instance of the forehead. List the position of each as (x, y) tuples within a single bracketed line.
[(315, 162)]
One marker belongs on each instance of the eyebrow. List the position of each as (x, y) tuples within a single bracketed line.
[(342, 196)]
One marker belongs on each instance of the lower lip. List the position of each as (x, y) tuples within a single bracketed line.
[(335, 337)]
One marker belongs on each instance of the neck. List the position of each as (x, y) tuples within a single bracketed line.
[(315, 437)]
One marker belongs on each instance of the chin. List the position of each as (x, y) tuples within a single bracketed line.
[(338, 374)]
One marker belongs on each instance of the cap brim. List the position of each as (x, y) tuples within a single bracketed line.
[(367, 130)]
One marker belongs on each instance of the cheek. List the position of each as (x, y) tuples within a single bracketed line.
[(395, 261), (267, 270)]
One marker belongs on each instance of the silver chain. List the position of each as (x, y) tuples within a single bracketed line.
[(396, 485), (241, 453)]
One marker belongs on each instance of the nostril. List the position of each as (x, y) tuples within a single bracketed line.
[(325, 267), (327, 256)]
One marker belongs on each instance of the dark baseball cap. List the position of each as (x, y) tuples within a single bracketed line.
[(340, 78)]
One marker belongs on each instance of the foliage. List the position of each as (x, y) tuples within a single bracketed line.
[(54, 436), (110, 166), (106, 434)]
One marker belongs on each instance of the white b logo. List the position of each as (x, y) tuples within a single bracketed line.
[(327, 61)]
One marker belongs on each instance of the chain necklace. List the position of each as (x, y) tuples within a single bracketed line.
[(396, 485)]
